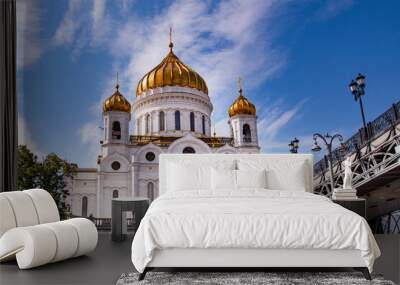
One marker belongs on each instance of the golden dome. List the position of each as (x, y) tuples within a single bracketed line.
[(171, 72), (116, 102), (241, 106)]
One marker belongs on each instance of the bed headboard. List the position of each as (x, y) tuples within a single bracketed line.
[(211, 159)]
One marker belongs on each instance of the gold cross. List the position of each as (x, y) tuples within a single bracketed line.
[(117, 85), (239, 82), (171, 45)]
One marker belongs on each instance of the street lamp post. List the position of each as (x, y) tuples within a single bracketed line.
[(327, 140), (357, 88), (294, 145)]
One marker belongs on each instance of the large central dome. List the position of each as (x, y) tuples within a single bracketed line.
[(171, 72)]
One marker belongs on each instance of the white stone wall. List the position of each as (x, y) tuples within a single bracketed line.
[(123, 118), (110, 179), (170, 99), (113, 182), (84, 184), (236, 123)]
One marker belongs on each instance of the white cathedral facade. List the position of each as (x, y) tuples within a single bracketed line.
[(170, 114)]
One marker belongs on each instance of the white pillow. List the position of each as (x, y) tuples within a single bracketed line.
[(282, 174), (223, 179), (292, 178), (251, 178), (183, 177)]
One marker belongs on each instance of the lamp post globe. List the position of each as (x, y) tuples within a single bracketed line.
[(353, 88), (360, 79), (296, 142), (294, 145), (316, 147)]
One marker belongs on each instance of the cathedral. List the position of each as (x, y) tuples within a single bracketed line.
[(170, 114)]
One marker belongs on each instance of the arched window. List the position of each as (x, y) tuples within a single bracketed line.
[(188, 149), (203, 124), (84, 206), (162, 121), (115, 194), (246, 133), (177, 120), (116, 130), (147, 126), (150, 191), (192, 121)]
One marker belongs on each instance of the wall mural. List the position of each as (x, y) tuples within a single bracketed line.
[(104, 88)]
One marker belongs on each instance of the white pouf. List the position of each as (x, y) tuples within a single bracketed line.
[(31, 230)]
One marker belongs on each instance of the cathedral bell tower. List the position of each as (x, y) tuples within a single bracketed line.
[(243, 123), (116, 117)]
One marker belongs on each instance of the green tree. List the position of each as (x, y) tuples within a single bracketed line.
[(49, 174), (27, 167)]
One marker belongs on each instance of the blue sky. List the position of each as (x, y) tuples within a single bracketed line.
[(296, 59)]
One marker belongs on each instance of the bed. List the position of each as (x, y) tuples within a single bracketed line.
[(247, 211)]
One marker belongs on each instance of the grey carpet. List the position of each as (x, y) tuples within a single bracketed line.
[(242, 278)]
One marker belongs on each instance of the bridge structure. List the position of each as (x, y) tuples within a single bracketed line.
[(375, 156)]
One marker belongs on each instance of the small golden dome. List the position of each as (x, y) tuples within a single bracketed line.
[(116, 102), (241, 106), (171, 72)]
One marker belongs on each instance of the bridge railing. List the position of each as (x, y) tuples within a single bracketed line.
[(386, 224), (104, 224), (375, 128)]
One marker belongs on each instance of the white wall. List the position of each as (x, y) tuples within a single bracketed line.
[(237, 122), (170, 99)]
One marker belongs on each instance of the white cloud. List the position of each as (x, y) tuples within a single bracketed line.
[(126, 5), (332, 8), (216, 41), (29, 45), (25, 138), (85, 23), (90, 135), (272, 126), (271, 121), (70, 24), (101, 22)]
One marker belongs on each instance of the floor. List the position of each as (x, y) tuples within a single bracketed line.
[(110, 260), (389, 263), (103, 266)]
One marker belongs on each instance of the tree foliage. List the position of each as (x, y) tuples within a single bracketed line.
[(49, 174)]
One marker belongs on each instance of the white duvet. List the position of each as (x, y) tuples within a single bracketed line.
[(250, 219)]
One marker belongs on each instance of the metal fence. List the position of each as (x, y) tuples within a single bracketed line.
[(386, 224), (375, 128), (104, 224)]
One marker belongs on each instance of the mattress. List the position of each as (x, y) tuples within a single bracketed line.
[(250, 219)]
